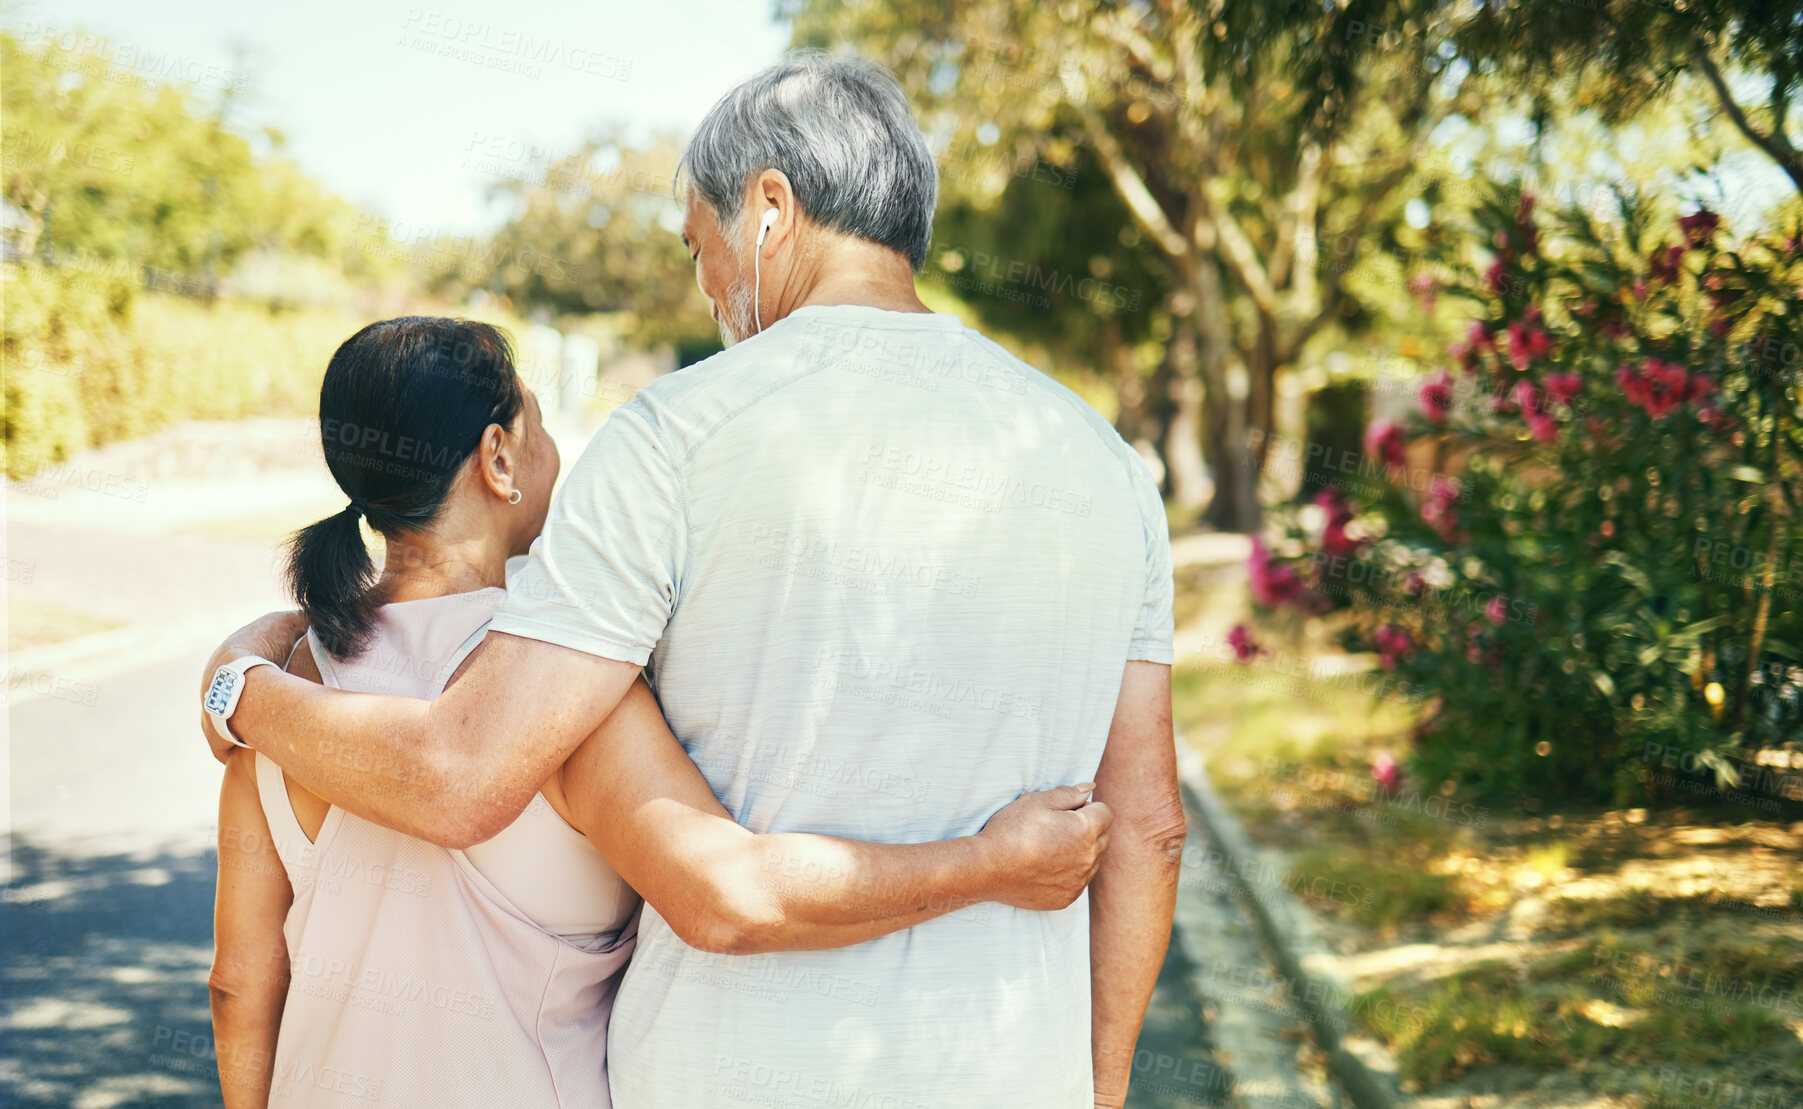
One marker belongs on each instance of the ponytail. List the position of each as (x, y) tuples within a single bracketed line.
[(332, 578)]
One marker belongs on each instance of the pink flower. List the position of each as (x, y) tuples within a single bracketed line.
[(1527, 395), (1438, 511), (1273, 583), (1383, 441), (1659, 386), (1436, 397), (1393, 645), (1422, 285), (1335, 541), (1497, 610), (1530, 237), (1386, 772), (1244, 649), (1699, 227), (1524, 224), (1332, 502), (1496, 278), (1542, 427), (1564, 386), (1665, 387), (1527, 341), (1663, 265)]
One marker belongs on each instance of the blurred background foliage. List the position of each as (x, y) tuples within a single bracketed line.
[(160, 265)]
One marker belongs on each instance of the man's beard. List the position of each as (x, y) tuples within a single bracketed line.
[(738, 312)]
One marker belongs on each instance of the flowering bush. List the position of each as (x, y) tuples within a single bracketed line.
[(1585, 553)]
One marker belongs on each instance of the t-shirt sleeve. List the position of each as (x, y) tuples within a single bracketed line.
[(1152, 631), (604, 574)]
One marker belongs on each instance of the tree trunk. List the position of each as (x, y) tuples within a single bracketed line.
[(1234, 467), (1183, 432)]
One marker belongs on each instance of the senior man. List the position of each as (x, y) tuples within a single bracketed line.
[(885, 577)]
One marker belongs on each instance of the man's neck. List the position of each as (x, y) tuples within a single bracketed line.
[(852, 271)]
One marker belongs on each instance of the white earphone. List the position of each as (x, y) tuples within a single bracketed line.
[(771, 215)]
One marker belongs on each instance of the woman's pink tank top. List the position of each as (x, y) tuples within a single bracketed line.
[(413, 979)]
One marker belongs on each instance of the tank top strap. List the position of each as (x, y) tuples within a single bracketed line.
[(462, 652), (322, 658)]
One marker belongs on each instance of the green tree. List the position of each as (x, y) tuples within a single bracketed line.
[(1633, 52), (105, 171), (598, 230), (1239, 137)]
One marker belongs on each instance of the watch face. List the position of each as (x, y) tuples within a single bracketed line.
[(220, 695)]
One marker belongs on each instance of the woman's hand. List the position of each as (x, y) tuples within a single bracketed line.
[(1048, 846), (272, 636)]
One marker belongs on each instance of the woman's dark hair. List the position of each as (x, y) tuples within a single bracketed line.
[(404, 403)]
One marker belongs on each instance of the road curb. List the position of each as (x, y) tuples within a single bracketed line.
[(1362, 1065)]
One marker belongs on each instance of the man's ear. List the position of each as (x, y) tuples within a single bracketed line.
[(771, 189)]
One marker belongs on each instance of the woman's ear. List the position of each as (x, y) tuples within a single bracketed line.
[(495, 462)]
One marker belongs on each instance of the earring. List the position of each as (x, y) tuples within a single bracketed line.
[(513, 497)]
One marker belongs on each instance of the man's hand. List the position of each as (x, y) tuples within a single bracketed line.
[(1048, 845), (271, 636)]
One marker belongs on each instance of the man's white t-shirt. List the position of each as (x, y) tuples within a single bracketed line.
[(886, 578)]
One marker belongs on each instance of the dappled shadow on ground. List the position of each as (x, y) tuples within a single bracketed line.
[(105, 978), (105, 970)]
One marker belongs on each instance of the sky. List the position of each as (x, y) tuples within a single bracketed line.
[(412, 109)]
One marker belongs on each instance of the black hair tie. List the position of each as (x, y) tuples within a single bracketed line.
[(358, 506)]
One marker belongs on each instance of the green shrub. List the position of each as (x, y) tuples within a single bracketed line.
[(88, 364), (1584, 555)]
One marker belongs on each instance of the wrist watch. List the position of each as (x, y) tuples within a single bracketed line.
[(222, 696)]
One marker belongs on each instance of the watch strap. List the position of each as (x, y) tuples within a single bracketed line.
[(239, 666)]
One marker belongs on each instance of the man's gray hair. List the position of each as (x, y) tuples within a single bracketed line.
[(842, 130)]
